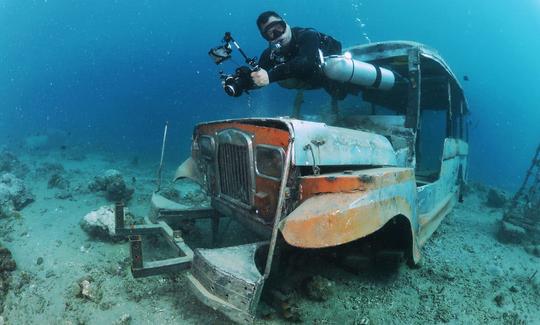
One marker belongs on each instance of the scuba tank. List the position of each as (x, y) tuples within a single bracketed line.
[(344, 68)]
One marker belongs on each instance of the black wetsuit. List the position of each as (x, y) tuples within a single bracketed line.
[(300, 60)]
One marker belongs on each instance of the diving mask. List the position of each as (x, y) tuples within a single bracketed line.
[(274, 30)]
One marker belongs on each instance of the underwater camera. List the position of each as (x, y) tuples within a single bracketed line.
[(238, 82), (234, 84)]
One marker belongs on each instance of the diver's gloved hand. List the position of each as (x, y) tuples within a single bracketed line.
[(260, 78)]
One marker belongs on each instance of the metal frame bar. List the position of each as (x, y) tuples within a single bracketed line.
[(142, 268), (279, 209), (450, 131), (415, 90)]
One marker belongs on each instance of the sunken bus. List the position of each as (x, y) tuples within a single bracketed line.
[(391, 168)]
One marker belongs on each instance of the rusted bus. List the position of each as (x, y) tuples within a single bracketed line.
[(364, 179)]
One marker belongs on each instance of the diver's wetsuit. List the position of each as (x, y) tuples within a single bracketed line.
[(300, 60)]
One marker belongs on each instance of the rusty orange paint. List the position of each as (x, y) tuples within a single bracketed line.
[(358, 181), (310, 186), (262, 134), (328, 221)]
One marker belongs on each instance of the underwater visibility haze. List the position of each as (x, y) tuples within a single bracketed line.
[(112, 72), (86, 88)]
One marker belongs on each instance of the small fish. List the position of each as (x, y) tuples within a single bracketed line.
[(466, 77), (63, 147)]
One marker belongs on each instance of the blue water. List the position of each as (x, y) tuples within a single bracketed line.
[(110, 73)]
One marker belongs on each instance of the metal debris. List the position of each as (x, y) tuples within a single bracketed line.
[(523, 213)]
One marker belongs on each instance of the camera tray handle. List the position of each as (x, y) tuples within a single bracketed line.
[(250, 61)]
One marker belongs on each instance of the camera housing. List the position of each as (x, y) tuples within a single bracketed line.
[(235, 84)]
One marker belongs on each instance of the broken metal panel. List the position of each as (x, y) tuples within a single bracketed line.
[(162, 208), (188, 169), (330, 146), (216, 303), (160, 202), (436, 199), (332, 219), (227, 279)]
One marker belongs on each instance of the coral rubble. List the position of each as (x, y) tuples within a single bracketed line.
[(113, 184), (9, 163), (13, 195), (100, 223), (7, 265)]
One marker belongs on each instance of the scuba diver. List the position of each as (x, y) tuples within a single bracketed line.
[(293, 58), (299, 58)]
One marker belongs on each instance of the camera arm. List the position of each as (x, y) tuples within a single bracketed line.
[(250, 61), (241, 81)]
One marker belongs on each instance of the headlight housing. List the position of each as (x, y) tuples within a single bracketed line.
[(269, 161), (207, 147)]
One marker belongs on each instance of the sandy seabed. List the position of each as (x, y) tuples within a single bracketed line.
[(467, 276)]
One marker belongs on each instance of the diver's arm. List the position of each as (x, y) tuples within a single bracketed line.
[(304, 65), (260, 76)]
